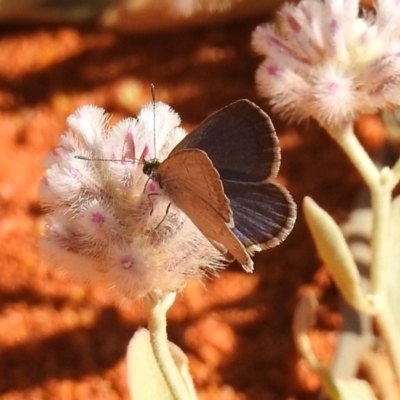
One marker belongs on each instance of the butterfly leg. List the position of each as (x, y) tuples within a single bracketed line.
[(165, 216), (151, 203)]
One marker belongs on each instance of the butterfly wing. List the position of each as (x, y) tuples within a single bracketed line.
[(193, 185), (240, 140), (264, 213), (242, 144)]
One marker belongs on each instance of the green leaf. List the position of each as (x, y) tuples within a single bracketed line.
[(335, 253)]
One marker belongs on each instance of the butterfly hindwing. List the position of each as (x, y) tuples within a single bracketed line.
[(263, 213), (240, 140)]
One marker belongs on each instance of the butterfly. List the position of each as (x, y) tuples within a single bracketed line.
[(220, 174)]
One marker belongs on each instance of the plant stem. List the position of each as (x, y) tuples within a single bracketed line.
[(358, 156), (158, 308), (380, 203), (390, 335), (396, 172), (381, 184)]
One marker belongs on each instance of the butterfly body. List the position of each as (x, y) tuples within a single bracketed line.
[(219, 177)]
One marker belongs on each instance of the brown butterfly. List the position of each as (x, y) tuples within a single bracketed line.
[(219, 176)]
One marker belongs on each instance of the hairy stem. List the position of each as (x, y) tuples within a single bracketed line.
[(389, 332), (380, 203), (158, 308), (380, 184), (357, 154)]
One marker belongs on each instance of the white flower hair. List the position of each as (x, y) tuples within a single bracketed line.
[(102, 217), (329, 60)]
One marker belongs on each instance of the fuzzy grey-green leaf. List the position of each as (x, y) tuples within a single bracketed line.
[(354, 389), (335, 253), (145, 380)]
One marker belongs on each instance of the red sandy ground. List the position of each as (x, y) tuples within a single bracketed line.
[(61, 340)]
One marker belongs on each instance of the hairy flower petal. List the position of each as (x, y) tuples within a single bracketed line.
[(101, 223), (347, 62)]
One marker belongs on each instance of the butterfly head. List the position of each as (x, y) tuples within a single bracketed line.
[(150, 168)]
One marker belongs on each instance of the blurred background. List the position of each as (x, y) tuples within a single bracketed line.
[(62, 340)]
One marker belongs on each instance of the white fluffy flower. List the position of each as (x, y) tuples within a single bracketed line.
[(329, 60), (102, 223)]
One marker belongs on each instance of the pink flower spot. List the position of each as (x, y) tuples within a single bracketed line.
[(333, 26), (129, 145), (52, 229), (72, 172), (272, 70), (98, 218), (333, 88), (112, 152), (275, 42), (153, 187), (293, 24), (126, 263), (145, 152), (44, 180)]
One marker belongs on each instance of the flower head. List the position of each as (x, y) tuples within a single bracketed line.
[(105, 220), (327, 61)]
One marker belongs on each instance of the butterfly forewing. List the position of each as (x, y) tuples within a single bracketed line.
[(191, 170), (240, 140), (193, 185)]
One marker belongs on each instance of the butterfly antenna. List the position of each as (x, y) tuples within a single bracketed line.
[(105, 159), (153, 96)]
